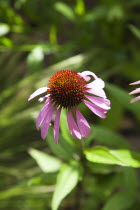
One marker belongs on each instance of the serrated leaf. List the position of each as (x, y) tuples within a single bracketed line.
[(46, 162), (67, 179), (122, 157)]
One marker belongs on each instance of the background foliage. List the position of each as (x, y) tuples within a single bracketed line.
[(38, 38)]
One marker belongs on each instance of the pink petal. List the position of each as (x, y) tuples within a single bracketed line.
[(44, 97), (97, 110), (85, 74), (56, 125), (135, 99), (137, 90), (46, 122), (86, 78), (135, 83), (101, 102), (37, 92), (72, 126), (43, 113), (97, 91), (82, 124), (98, 83), (96, 88)]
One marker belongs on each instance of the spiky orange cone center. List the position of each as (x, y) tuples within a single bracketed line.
[(67, 88)]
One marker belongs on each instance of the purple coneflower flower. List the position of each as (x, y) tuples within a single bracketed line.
[(137, 90), (67, 89)]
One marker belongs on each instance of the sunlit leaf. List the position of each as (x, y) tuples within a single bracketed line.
[(53, 35), (4, 29), (80, 7), (135, 30), (67, 179), (22, 190), (46, 162), (120, 157), (6, 41), (65, 10), (35, 58)]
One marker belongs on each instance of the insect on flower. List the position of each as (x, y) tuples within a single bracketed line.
[(137, 90), (67, 89)]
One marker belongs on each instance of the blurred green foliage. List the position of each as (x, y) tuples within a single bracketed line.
[(38, 38)]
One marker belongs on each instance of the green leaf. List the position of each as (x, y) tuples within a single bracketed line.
[(53, 34), (114, 116), (67, 179), (135, 30), (115, 12), (35, 58), (6, 42), (123, 98), (22, 189), (107, 136), (65, 10), (119, 201), (46, 162), (4, 29), (131, 180), (80, 7), (64, 127), (122, 157), (63, 149)]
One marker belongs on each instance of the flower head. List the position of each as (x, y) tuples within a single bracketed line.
[(67, 89), (137, 90)]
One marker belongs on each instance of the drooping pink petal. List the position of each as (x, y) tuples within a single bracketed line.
[(137, 90), (135, 99), (74, 130), (97, 110), (96, 88), (37, 92), (46, 122), (43, 113), (101, 102), (82, 124), (44, 97), (86, 74), (97, 83), (135, 83), (99, 92), (56, 125), (85, 77)]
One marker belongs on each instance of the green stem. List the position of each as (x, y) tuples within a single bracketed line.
[(79, 191)]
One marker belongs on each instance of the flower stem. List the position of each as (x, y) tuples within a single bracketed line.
[(82, 146)]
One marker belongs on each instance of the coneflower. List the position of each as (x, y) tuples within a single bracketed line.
[(67, 89), (137, 90)]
